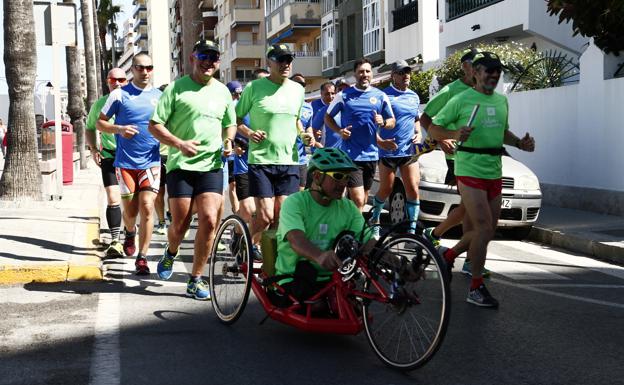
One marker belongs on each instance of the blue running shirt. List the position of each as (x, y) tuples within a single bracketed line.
[(330, 138), (357, 108), (132, 105), (405, 106), (306, 121)]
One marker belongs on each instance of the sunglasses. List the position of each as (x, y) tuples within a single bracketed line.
[(338, 175), (119, 80), (141, 68), (492, 70), (283, 59), (212, 56)]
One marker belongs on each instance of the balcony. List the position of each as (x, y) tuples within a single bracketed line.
[(307, 63), (459, 8), (404, 16), (293, 14), (246, 50), (246, 16)]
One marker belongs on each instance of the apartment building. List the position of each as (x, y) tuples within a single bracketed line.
[(465, 22), (158, 48), (240, 32), (412, 30), (297, 23), (129, 47)]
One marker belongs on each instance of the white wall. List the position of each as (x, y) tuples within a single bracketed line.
[(418, 38), (577, 129), (159, 41)]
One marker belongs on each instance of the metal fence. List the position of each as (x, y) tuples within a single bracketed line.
[(459, 8)]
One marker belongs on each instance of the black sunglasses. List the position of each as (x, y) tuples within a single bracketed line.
[(140, 68), (492, 70), (284, 59), (212, 56)]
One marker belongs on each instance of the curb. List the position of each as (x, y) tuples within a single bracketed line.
[(600, 250)]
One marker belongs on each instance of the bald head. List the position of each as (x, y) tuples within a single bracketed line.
[(116, 78)]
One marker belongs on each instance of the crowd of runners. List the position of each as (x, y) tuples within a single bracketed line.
[(196, 138)]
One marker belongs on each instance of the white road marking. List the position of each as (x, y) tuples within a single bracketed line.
[(580, 285), (519, 271), (105, 361)]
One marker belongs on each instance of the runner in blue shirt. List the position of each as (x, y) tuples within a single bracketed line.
[(404, 135), (306, 121), (137, 159), (364, 110), (322, 133)]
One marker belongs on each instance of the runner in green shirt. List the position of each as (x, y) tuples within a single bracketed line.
[(104, 158), (195, 117), (478, 165), (273, 104)]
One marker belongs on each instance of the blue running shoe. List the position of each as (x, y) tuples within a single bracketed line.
[(165, 265), (467, 270), (198, 290)]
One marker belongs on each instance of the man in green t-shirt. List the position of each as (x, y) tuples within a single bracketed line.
[(478, 166), (274, 105), (195, 117), (104, 156)]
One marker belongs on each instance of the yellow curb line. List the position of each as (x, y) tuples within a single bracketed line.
[(90, 267), (33, 273)]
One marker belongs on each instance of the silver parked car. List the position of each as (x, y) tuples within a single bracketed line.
[(521, 200)]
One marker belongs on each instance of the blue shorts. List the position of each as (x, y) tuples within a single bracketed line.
[(268, 181), (187, 184)]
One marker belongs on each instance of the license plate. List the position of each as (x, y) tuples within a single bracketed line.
[(506, 203)]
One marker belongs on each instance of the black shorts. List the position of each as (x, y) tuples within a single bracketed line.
[(450, 173), (242, 186), (163, 171), (364, 175), (187, 184), (268, 181), (108, 172), (303, 175), (230, 165), (395, 163)]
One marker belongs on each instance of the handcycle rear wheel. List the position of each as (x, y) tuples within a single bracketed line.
[(231, 269), (406, 331)]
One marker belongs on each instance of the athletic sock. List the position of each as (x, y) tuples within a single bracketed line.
[(450, 255), (129, 233), (475, 283), (193, 279), (139, 256), (413, 209), (171, 254), (377, 206), (113, 218)]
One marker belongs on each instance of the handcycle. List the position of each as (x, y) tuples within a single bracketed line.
[(398, 293)]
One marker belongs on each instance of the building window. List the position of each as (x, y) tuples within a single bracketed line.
[(244, 75), (406, 13), (327, 45), (372, 26)]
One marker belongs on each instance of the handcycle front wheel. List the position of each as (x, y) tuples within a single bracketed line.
[(231, 269), (407, 328)]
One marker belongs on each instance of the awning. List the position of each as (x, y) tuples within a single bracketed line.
[(281, 36)]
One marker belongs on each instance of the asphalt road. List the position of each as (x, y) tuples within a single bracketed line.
[(560, 322)]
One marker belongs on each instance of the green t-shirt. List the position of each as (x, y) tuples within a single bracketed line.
[(321, 224), (107, 141), (192, 111), (442, 97), (488, 131), (272, 108)]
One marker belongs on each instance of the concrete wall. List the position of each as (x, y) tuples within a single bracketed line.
[(578, 133), (418, 38)]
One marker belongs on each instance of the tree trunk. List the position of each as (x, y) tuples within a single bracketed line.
[(98, 52), (21, 178), (92, 88), (75, 106)]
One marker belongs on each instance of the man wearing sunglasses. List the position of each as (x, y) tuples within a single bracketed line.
[(274, 107), (104, 157), (195, 117), (478, 165), (137, 158)]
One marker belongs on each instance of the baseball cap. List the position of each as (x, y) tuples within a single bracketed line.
[(468, 54), (235, 87), (204, 45), (487, 59), (277, 51), (400, 65), (341, 82)]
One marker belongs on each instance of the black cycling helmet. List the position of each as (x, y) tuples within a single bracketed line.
[(331, 159)]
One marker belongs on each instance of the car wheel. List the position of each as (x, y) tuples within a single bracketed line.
[(397, 203), (519, 233)]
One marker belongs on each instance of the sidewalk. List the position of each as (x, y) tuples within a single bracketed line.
[(53, 241), (599, 236)]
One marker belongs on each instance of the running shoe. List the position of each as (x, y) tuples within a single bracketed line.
[(481, 297), (165, 265), (161, 228), (141, 266), (129, 246), (467, 269), (115, 250), (221, 247), (168, 215), (198, 290), (428, 233)]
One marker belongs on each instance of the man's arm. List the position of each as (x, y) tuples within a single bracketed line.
[(300, 244), (164, 136), (527, 143)]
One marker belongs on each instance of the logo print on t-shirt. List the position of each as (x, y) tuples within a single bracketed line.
[(323, 228), (491, 111), (373, 100)]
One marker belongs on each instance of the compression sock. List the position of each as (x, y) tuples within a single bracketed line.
[(450, 255), (113, 218), (377, 206), (476, 282), (413, 209)]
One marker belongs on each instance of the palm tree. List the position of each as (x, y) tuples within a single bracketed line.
[(21, 178), (98, 50), (107, 14), (92, 88)]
